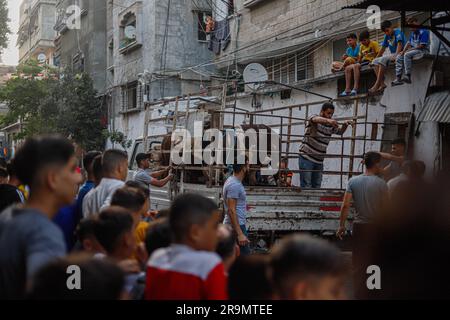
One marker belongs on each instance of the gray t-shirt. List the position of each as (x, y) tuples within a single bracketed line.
[(234, 189), (369, 193), (143, 176), (28, 241)]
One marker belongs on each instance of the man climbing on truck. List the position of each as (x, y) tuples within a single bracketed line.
[(313, 151)]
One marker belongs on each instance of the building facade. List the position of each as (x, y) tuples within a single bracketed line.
[(80, 43), (36, 34), (150, 43), (296, 41)]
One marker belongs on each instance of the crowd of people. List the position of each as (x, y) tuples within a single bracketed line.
[(102, 225)]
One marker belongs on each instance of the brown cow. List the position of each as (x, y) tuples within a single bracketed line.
[(208, 175)]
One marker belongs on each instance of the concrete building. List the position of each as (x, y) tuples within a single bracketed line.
[(36, 34), (149, 45), (80, 43), (296, 41)]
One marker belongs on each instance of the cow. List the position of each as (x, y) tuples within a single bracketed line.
[(206, 174)]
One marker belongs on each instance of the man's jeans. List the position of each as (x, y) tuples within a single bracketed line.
[(245, 250), (310, 179), (405, 61)]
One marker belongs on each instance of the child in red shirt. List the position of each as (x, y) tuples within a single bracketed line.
[(189, 269)]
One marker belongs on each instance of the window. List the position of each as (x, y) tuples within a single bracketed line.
[(128, 30), (201, 24), (138, 148), (131, 96), (78, 62), (129, 37), (146, 93), (304, 67), (339, 49), (291, 68), (34, 22)]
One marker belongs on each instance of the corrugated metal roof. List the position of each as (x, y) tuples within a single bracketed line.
[(406, 5), (436, 108)]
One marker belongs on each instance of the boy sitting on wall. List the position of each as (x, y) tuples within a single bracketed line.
[(350, 56), (368, 50), (394, 39), (416, 48)]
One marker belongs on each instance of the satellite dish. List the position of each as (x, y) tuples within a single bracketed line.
[(255, 73), (130, 32), (42, 58)]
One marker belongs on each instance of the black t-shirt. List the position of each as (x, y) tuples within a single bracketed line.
[(8, 196)]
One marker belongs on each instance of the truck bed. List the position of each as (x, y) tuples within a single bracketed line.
[(272, 209)]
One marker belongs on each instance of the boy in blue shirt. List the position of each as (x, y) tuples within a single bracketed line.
[(394, 39), (350, 56), (416, 47)]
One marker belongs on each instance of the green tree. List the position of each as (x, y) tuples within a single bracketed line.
[(80, 111), (66, 104), (4, 27), (28, 101)]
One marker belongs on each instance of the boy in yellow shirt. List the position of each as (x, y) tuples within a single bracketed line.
[(367, 52), (137, 202)]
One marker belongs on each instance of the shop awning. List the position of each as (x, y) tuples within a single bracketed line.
[(436, 108)]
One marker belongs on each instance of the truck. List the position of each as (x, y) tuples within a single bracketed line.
[(273, 211)]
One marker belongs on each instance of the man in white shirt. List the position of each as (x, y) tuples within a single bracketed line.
[(115, 172)]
